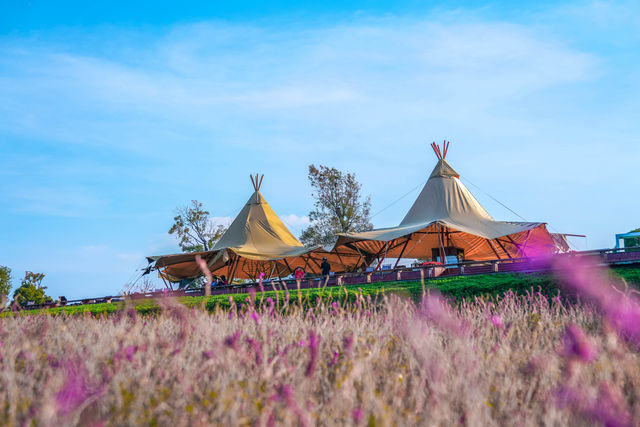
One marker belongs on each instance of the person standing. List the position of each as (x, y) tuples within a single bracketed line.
[(326, 267)]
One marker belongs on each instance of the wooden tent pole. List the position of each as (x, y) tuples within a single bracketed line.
[(526, 240), (443, 254), (287, 264), (519, 247), (504, 249), (275, 263), (233, 269), (314, 261), (344, 267), (357, 261), (493, 248), (362, 256), (384, 248), (401, 253), (165, 282)]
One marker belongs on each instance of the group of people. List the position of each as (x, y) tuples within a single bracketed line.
[(299, 272)]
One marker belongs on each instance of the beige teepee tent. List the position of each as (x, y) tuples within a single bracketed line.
[(447, 218), (257, 241)]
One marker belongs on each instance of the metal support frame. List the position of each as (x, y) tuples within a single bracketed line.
[(519, 247), (401, 253), (493, 248), (385, 248), (504, 249)]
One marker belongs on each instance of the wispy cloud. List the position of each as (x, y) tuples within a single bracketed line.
[(55, 201), (298, 223), (130, 123), (201, 75)]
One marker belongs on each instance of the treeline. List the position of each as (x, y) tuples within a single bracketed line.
[(29, 290), (339, 207)]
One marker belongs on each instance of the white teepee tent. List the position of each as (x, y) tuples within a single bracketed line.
[(447, 218)]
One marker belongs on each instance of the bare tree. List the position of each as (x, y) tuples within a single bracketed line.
[(143, 286)]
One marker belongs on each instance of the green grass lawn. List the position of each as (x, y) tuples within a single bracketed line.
[(458, 287)]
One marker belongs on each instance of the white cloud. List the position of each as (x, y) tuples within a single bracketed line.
[(199, 78), (196, 108), (295, 221), (222, 220), (56, 201)]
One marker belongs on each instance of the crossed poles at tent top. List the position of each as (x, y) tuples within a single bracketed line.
[(441, 154), (256, 181)]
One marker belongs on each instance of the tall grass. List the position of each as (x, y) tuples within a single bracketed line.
[(520, 359)]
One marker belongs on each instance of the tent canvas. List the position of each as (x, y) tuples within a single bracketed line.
[(257, 241), (446, 218)]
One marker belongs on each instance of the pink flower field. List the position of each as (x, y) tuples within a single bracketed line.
[(520, 360)]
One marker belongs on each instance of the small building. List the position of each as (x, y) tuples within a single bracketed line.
[(629, 240)]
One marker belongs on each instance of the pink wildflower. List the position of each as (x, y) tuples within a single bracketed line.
[(255, 317), (576, 344), (130, 351), (348, 343), (314, 342), (438, 311), (357, 415), (497, 321), (75, 390), (232, 340), (334, 359)]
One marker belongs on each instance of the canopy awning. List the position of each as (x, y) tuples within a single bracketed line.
[(446, 214), (257, 241)]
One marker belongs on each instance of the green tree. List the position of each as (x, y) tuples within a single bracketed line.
[(5, 280), (338, 207), (5, 283), (194, 229), (31, 289)]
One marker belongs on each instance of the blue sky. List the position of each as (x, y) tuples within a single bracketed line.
[(112, 115)]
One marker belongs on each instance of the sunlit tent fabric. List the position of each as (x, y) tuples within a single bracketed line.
[(447, 218), (257, 241)]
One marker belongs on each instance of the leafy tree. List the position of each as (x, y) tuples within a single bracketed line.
[(31, 289), (5, 280), (194, 229), (5, 284), (338, 207)]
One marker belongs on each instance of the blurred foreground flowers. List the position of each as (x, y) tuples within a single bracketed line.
[(527, 359)]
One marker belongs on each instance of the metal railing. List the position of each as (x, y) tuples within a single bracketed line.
[(613, 256)]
